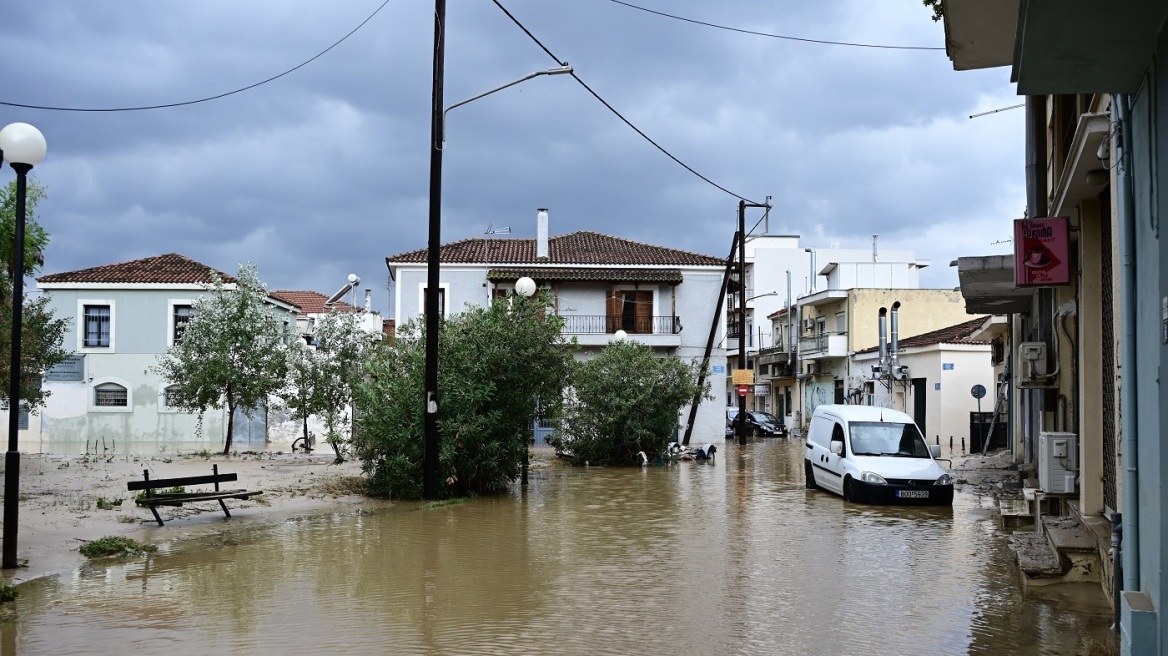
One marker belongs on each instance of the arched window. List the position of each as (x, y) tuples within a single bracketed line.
[(110, 395)]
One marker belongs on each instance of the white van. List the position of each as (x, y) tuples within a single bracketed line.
[(871, 454)]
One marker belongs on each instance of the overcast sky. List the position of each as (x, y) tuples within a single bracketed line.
[(324, 171)]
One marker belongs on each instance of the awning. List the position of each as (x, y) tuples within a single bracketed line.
[(987, 284)]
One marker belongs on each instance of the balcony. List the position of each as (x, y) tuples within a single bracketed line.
[(824, 345), (732, 338), (775, 355), (598, 330)]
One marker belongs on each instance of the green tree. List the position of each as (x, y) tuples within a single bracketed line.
[(321, 379), (41, 334), (625, 401), (496, 365), (937, 7), (232, 351)]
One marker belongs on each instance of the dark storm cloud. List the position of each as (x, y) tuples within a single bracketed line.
[(324, 172)]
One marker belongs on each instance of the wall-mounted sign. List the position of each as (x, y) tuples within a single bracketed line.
[(937, 386), (762, 389), (72, 369), (946, 366), (718, 369), (1042, 252), (743, 377)]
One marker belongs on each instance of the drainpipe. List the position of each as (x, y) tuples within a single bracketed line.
[(883, 341), (790, 336), (1129, 402), (894, 349)]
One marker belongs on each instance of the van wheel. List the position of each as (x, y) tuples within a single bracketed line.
[(851, 491), (809, 474)]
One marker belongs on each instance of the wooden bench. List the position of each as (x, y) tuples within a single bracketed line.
[(154, 499)]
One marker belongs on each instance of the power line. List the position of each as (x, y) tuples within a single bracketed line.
[(208, 98), (772, 36), (613, 109)]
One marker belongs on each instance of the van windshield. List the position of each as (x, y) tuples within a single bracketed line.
[(878, 438)]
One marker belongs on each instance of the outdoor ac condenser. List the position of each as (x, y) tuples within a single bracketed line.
[(1058, 462)]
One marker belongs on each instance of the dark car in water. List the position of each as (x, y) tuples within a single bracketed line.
[(758, 424)]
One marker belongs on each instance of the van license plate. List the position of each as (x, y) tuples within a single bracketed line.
[(913, 494)]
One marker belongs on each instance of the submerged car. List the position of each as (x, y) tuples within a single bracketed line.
[(758, 424), (874, 455)]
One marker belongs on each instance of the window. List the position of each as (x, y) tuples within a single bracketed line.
[(181, 315), (169, 395), (97, 326), (441, 300), (110, 395)]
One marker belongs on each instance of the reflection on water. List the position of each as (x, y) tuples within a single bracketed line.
[(730, 557)]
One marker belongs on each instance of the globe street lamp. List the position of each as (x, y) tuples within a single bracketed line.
[(24, 147), (430, 310)]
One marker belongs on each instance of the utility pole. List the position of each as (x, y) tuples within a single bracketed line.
[(430, 452), (741, 418)]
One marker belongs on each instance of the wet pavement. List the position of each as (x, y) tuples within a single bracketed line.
[(732, 556)]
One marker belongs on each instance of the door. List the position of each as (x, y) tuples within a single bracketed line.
[(828, 466), (918, 394), (251, 432)]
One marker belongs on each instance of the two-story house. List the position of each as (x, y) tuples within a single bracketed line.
[(123, 316), (661, 297)]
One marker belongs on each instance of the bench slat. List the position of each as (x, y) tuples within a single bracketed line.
[(178, 501), (184, 481)]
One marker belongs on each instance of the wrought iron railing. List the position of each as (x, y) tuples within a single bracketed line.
[(817, 342), (592, 324)]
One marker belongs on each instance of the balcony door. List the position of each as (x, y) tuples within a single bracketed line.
[(630, 310)]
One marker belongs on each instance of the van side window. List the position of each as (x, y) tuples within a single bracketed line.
[(837, 433)]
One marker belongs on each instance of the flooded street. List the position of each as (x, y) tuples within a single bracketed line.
[(729, 557)]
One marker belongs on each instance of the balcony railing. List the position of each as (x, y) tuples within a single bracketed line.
[(585, 324), (831, 344)]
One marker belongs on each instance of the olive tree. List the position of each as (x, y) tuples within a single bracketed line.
[(232, 351), (625, 401), (321, 379), (496, 366)]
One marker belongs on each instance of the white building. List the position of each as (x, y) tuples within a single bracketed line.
[(661, 297)]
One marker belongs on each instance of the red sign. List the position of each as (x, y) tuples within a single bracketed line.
[(743, 390), (1042, 252)]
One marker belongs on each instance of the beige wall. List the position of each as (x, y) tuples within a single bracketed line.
[(921, 310)]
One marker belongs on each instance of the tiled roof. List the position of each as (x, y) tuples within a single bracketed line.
[(311, 302), (955, 334), (170, 268), (582, 247), (601, 275)]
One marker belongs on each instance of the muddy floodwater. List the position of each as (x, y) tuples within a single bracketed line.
[(729, 557)]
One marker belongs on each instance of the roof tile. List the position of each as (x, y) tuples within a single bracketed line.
[(171, 268), (582, 247)]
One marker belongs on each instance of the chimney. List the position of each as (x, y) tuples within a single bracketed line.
[(541, 233), (895, 355), (883, 338), (368, 300)]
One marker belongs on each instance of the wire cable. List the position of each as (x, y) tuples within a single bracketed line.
[(613, 109), (773, 36), (208, 98)]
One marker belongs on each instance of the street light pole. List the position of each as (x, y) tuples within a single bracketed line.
[(433, 256), (742, 205), (24, 146)]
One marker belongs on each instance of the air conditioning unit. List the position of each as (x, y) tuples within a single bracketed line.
[(808, 324), (1058, 455)]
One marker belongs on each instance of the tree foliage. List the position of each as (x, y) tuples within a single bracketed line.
[(622, 402), (496, 366), (321, 379), (41, 334), (937, 7), (232, 351)]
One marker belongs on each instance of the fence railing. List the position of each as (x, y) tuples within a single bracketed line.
[(592, 324)]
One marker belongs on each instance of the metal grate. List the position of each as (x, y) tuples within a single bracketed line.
[(110, 397), (1108, 347)]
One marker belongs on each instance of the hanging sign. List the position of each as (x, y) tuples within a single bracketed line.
[(1042, 252), (743, 377)]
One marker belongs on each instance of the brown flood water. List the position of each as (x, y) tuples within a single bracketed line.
[(730, 557)]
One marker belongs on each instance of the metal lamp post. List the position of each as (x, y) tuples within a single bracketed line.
[(24, 147), (437, 143), (526, 288)]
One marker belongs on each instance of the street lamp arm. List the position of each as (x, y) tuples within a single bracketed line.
[(560, 70)]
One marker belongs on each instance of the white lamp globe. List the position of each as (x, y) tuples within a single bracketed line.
[(22, 144), (620, 335), (525, 287)]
